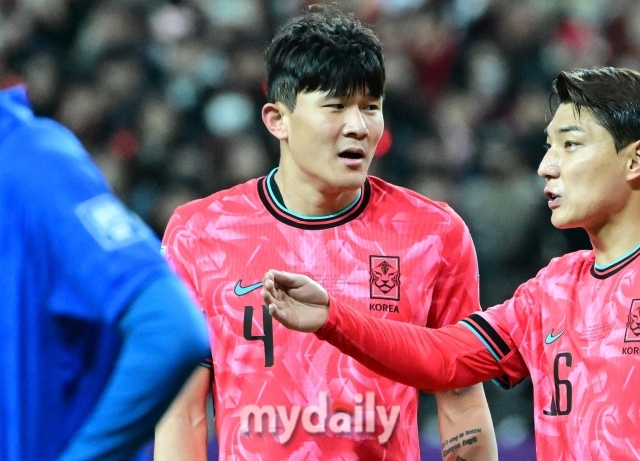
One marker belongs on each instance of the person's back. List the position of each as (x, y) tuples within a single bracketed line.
[(73, 259)]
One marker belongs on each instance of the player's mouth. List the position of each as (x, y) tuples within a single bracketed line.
[(353, 157), (553, 198)]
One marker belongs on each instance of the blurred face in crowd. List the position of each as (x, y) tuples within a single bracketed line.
[(329, 141), (586, 177)]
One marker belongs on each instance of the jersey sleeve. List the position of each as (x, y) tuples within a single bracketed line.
[(433, 360), (99, 254), (502, 328), (456, 291), (177, 250)]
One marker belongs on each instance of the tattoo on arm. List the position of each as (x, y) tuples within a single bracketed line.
[(458, 441)]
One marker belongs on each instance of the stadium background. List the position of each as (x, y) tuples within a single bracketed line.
[(166, 96)]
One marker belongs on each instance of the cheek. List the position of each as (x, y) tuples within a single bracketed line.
[(376, 127), (305, 132)]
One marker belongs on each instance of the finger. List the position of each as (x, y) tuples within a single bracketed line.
[(289, 279), (267, 296), (277, 313), (267, 277), (264, 294), (267, 284)]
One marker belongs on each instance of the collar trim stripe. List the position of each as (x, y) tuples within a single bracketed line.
[(615, 267), (269, 193)]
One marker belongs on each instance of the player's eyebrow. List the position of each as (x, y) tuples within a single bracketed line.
[(566, 129)]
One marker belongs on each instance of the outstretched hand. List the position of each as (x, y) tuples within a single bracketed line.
[(295, 300)]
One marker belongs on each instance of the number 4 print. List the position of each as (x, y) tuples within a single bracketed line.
[(267, 326)]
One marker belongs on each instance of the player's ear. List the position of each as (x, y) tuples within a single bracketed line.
[(633, 171), (273, 116)]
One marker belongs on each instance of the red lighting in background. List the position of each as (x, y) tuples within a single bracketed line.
[(385, 143), (574, 34), (10, 80), (124, 144)]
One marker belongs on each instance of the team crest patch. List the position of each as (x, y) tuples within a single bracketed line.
[(110, 223), (632, 334), (384, 279)]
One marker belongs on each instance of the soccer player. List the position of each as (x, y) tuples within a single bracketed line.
[(574, 328), (280, 394), (97, 334)]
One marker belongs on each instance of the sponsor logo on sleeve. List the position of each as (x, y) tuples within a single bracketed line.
[(110, 223)]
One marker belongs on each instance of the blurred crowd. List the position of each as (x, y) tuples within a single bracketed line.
[(166, 95)]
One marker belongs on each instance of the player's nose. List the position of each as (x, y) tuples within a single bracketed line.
[(355, 124)]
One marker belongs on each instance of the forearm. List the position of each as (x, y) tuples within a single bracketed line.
[(181, 439), (466, 428), (432, 360), (181, 434)]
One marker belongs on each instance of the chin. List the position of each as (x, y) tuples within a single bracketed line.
[(565, 223), (354, 180)]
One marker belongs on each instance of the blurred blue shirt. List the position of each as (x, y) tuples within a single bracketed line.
[(72, 258)]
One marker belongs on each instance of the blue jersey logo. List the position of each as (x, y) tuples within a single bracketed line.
[(239, 290), (551, 337)]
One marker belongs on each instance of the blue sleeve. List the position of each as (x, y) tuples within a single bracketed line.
[(164, 340), (100, 254)]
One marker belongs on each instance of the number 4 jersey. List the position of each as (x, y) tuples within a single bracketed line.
[(280, 394)]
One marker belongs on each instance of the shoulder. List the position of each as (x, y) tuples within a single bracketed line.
[(569, 263), (44, 149), (46, 165), (391, 198), (195, 216)]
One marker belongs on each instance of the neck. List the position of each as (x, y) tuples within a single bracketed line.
[(617, 238), (309, 197)]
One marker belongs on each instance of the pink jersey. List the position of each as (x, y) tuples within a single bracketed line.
[(576, 328), (280, 394)]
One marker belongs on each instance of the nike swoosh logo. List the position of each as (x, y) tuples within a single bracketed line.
[(551, 337), (239, 290)]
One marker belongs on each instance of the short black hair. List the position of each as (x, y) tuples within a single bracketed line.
[(324, 50), (611, 95)]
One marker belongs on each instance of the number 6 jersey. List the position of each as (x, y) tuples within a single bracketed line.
[(280, 394), (574, 328)]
